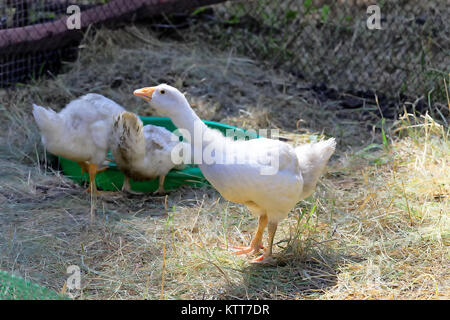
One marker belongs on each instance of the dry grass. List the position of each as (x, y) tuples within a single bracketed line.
[(377, 226), (397, 218)]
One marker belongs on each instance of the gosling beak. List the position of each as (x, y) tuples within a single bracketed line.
[(145, 93)]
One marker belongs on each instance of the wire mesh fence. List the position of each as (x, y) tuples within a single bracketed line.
[(35, 35), (323, 41), (330, 42)]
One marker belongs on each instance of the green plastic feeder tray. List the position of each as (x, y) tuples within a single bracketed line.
[(112, 178)]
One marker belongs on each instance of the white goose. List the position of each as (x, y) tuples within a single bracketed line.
[(268, 176)]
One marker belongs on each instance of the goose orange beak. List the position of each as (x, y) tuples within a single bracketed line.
[(145, 93)]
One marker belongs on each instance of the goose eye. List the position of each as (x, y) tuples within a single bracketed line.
[(162, 91)]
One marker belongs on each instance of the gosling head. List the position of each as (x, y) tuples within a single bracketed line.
[(164, 99)]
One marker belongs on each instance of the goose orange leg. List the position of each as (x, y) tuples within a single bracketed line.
[(126, 187), (267, 256), (256, 242), (84, 167), (126, 184), (161, 185), (92, 170)]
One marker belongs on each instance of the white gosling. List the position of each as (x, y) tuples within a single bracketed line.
[(79, 132), (143, 152)]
